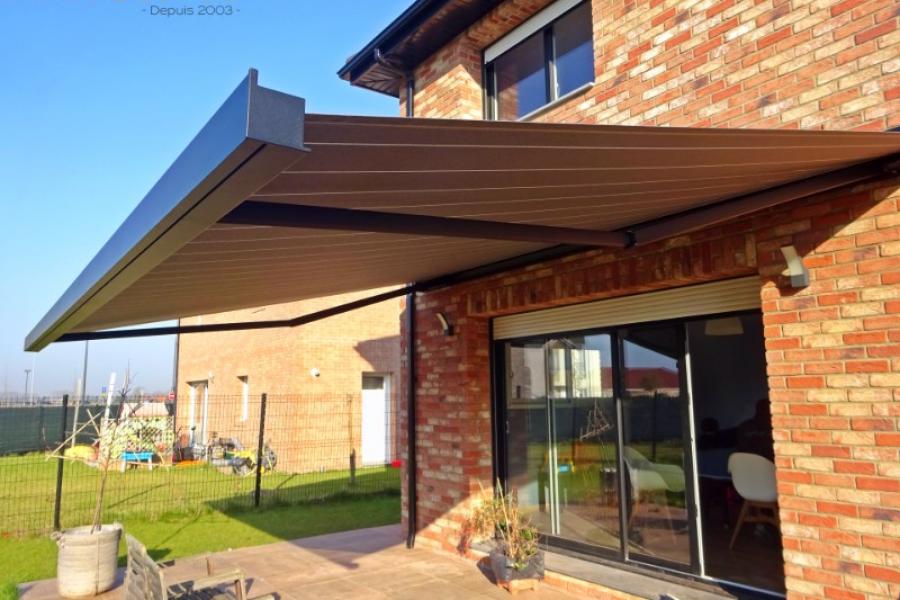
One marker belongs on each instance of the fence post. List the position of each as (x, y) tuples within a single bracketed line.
[(259, 449), (353, 467), (57, 504)]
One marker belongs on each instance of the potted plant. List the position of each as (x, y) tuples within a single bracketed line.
[(515, 558), (88, 555)]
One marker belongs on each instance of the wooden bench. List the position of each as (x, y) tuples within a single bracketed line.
[(145, 580)]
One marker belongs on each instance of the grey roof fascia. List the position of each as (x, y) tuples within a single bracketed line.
[(253, 136)]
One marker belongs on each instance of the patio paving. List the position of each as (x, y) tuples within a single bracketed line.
[(366, 563)]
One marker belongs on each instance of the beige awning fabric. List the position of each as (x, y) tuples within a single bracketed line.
[(603, 178)]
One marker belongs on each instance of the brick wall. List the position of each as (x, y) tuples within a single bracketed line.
[(833, 352), (832, 348), (712, 63), (305, 413)]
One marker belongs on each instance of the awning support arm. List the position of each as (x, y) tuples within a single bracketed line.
[(444, 280), (733, 208), (641, 234), (274, 214), (236, 326)]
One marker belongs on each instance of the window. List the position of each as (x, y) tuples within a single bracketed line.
[(546, 58), (611, 438), (245, 397)]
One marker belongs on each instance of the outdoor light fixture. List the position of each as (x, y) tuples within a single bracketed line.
[(799, 274), (314, 372), (446, 327)]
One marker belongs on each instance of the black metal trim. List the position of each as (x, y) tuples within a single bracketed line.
[(438, 282), (498, 418), (551, 79), (692, 497), (404, 27), (619, 394), (550, 63), (731, 208), (648, 232), (410, 95), (275, 214), (411, 462), (606, 555), (236, 326)]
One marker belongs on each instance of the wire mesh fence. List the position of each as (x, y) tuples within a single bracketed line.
[(201, 453)]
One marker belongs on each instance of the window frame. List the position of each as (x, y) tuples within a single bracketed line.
[(541, 23), (696, 570)]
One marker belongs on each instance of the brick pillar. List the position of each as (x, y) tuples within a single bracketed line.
[(833, 352), (454, 421)]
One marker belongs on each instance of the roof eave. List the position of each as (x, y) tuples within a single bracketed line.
[(436, 22)]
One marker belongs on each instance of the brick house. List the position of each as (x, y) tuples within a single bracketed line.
[(825, 356), (652, 262), (332, 385)]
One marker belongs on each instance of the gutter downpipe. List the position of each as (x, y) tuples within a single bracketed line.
[(411, 461), (411, 478), (412, 513)]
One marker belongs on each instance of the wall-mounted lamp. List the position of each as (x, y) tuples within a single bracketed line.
[(799, 274), (314, 372), (446, 327)]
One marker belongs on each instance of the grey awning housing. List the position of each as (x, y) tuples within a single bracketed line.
[(254, 211)]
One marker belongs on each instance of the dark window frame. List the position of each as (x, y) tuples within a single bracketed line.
[(489, 75), (608, 555)]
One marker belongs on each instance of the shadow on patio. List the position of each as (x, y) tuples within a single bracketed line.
[(365, 563)]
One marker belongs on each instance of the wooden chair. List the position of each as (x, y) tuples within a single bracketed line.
[(753, 477), (145, 580)]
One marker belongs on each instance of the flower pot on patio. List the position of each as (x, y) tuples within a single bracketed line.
[(516, 560), (87, 560), (515, 577)]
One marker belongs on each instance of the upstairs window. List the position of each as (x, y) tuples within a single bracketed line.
[(544, 59)]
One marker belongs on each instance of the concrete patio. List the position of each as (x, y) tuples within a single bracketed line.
[(366, 563)]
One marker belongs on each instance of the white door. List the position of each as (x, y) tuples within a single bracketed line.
[(204, 416), (375, 420), (199, 392)]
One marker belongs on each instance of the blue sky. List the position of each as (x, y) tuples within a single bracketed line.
[(99, 96)]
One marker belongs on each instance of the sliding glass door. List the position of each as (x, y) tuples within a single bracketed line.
[(598, 441), (561, 448), (654, 416)]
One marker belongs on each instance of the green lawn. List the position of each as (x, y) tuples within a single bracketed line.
[(28, 483), (177, 535), (181, 511)]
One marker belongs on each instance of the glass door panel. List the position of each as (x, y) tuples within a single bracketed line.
[(561, 439), (731, 410), (528, 423), (584, 440), (654, 412)]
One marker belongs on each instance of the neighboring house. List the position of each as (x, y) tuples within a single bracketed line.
[(665, 378), (331, 386)]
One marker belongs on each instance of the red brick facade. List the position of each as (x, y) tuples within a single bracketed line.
[(714, 63), (833, 348)]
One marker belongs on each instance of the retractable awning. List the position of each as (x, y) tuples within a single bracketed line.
[(269, 204)]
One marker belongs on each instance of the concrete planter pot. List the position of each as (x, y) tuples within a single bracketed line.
[(513, 579), (87, 561)]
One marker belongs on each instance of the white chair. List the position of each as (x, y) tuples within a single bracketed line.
[(650, 481), (754, 479)]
